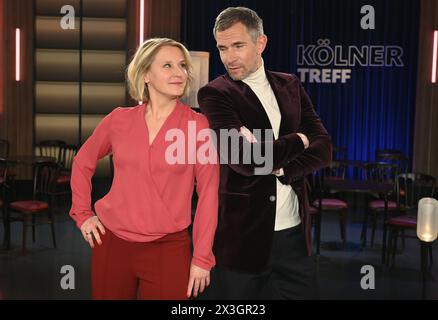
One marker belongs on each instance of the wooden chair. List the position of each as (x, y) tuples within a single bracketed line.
[(68, 152), (415, 186), (4, 148), (389, 164), (379, 172), (3, 205), (52, 148), (10, 177), (323, 201), (27, 211), (63, 188)]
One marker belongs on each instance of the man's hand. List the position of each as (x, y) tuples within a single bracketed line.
[(199, 279), (305, 140)]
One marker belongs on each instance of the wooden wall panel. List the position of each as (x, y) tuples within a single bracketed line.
[(162, 19), (17, 123), (426, 117), (2, 57)]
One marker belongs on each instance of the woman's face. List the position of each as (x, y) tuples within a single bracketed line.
[(167, 75)]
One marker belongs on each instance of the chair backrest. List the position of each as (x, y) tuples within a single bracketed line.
[(411, 187), (4, 148), (3, 175), (44, 179), (3, 171), (335, 171), (51, 148), (393, 156), (68, 153), (382, 172)]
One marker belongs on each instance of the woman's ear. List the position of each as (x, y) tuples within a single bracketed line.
[(146, 77)]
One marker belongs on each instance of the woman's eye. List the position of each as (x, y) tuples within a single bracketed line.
[(184, 65), (167, 65)]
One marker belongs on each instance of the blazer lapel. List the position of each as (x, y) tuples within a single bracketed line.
[(283, 101), (257, 112)]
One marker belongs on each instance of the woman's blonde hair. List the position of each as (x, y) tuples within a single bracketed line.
[(142, 60)]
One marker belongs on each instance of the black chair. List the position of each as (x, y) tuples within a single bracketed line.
[(324, 201), (4, 148), (410, 188), (393, 156), (379, 172), (27, 211), (3, 205), (52, 148), (67, 155), (10, 177)]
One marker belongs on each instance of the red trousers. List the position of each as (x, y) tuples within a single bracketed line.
[(136, 270)]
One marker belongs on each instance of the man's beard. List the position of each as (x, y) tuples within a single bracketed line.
[(245, 73)]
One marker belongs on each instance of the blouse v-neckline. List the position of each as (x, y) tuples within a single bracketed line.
[(165, 123)]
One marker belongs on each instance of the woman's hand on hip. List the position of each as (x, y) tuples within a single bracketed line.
[(90, 229), (199, 279)]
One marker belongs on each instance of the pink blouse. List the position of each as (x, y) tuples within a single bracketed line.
[(149, 197)]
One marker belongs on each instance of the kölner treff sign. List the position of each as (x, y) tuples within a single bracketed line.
[(325, 63)]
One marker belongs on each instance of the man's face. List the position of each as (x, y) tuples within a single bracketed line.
[(238, 52)]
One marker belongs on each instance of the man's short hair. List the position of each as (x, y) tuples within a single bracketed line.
[(246, 16)]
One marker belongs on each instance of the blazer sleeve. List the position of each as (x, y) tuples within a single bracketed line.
[(84, 165), (319, 152), (221, 114)]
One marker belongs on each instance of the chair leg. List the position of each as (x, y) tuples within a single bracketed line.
[(33, 229), (430, 255), (403, 239), (342, 225), (318, 232), (52, 226), (24, 235), (373, 229), (363, 235), (394, 249), (6, 228), (390, 244)]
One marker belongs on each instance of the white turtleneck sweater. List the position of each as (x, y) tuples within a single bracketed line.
[(287, 214)]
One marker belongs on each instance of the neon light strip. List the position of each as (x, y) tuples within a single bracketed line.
[(141, 31), (435, 53), (17, 54), (141, 22)]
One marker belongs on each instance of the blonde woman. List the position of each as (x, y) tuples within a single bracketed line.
[(138, 232)]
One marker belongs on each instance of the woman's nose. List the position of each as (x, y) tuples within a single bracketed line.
[(179, 71)]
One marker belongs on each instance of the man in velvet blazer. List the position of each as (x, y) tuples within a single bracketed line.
[(253, 260)]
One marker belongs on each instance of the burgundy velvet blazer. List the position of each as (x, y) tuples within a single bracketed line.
[(247, 205)]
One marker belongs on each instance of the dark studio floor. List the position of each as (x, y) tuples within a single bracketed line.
[(37, 274)]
